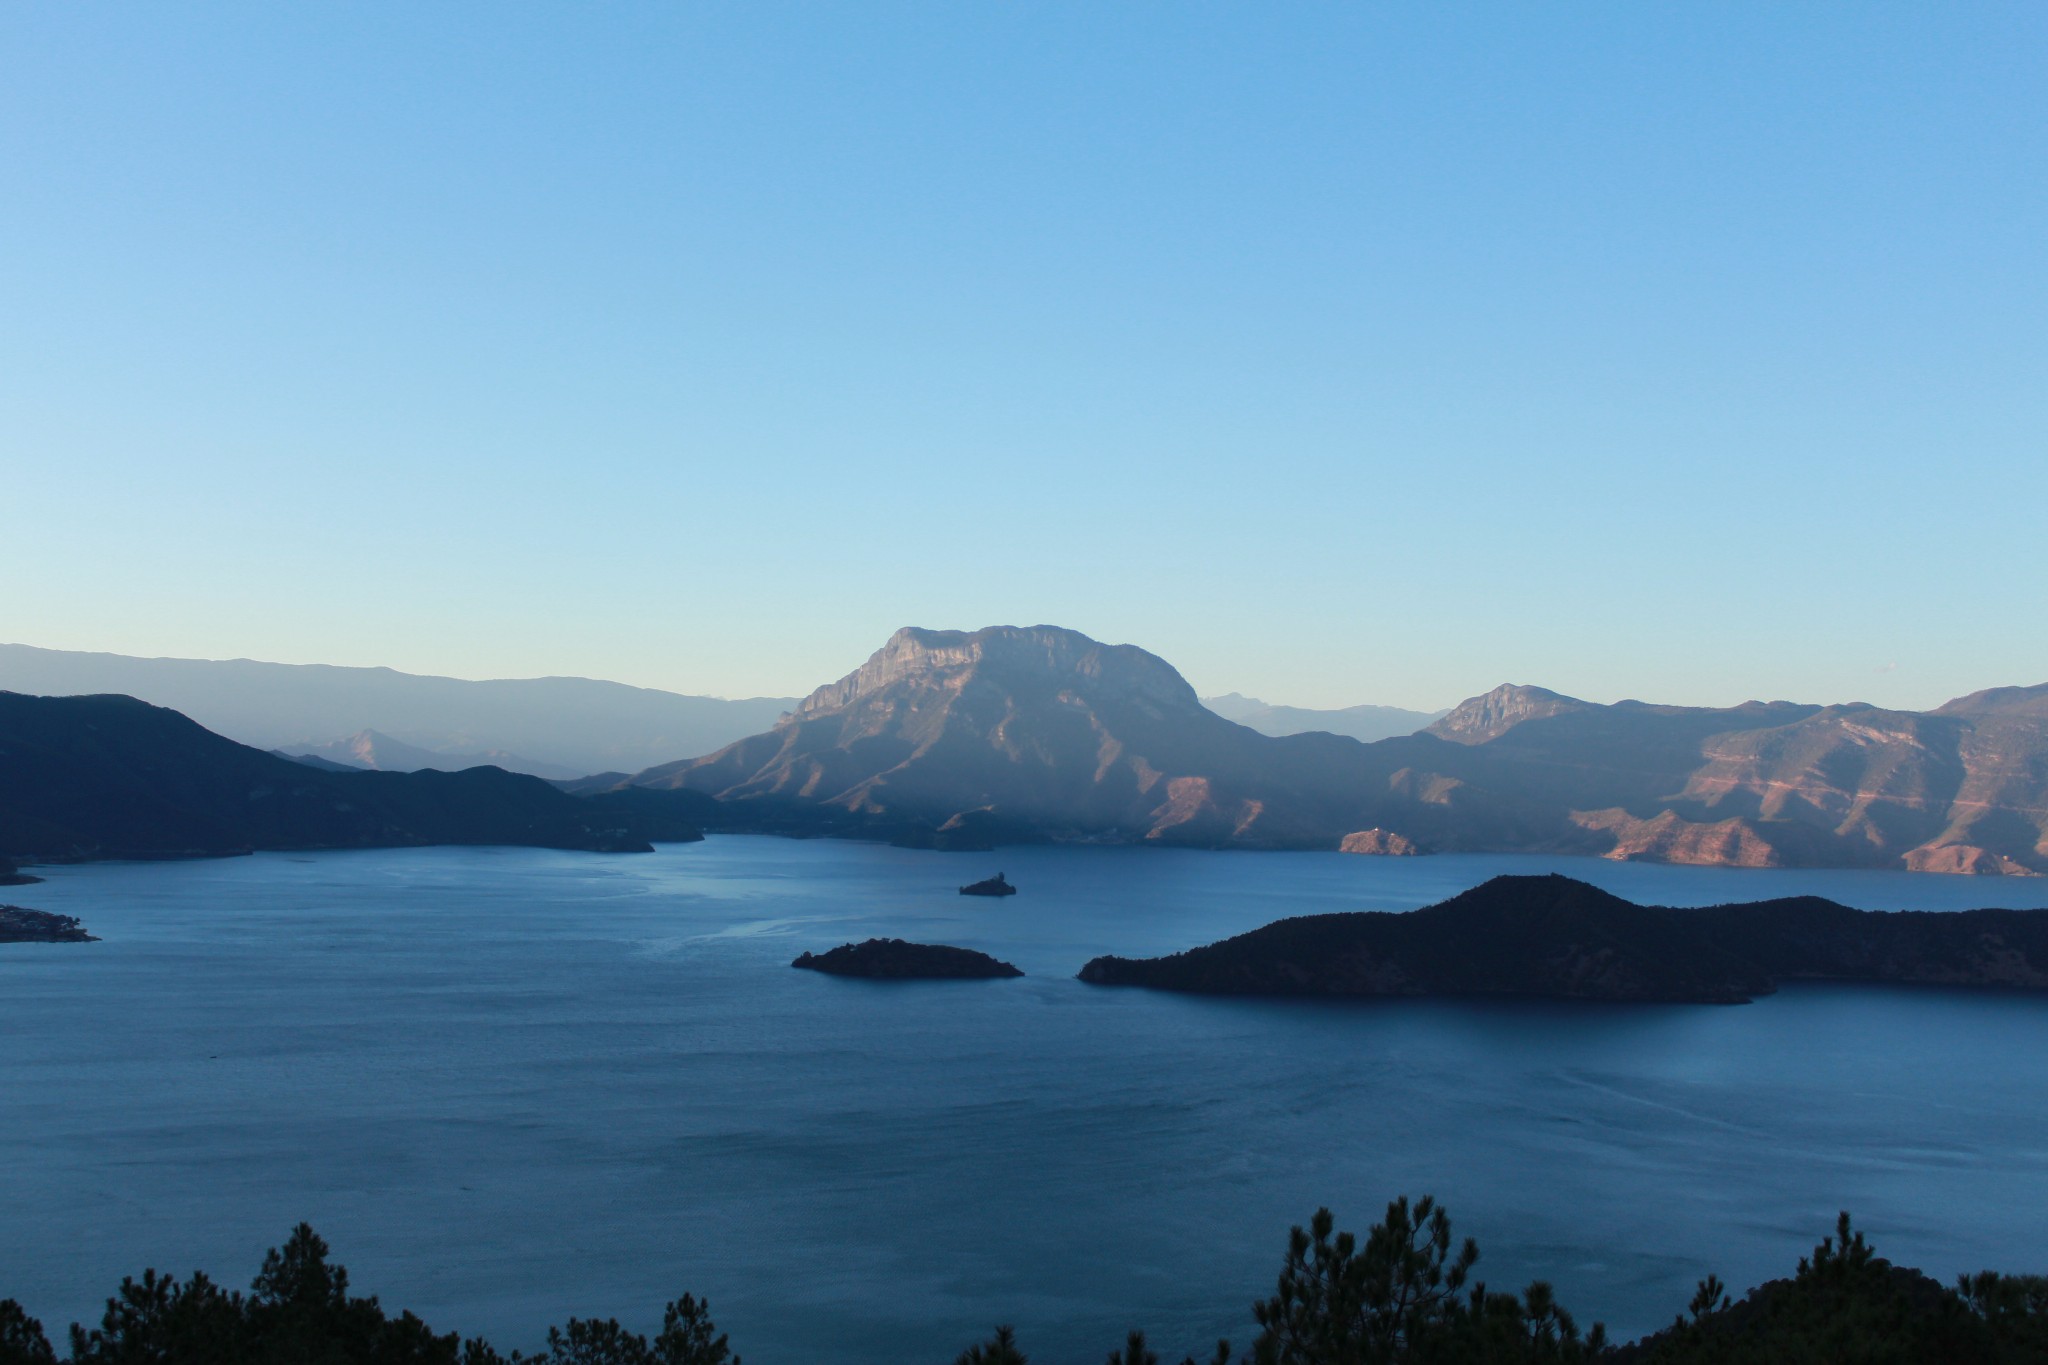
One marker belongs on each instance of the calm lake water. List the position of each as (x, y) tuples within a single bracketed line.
[(513, 1085)]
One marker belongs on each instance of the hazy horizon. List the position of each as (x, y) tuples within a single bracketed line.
[(1207, 694), (1335, 356)]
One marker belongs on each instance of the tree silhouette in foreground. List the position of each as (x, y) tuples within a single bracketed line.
[(1404, 1295)]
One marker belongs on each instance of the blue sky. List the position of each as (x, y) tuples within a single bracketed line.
[(1335, 353)]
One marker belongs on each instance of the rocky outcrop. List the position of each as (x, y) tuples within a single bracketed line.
[(891, 959), (1480, 719), (1380, 843), (1666, 838), (40, 926), (12, 875), (1965, 859), (1559, 938)]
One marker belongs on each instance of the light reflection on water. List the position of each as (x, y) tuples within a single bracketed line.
[(513, 1085)]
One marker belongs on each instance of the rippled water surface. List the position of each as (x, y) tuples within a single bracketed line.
[(514, 1085)]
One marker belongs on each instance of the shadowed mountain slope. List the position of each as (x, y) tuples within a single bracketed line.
[(113, 777)]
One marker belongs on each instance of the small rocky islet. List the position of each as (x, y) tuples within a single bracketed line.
[(998, 885), (892, 959)]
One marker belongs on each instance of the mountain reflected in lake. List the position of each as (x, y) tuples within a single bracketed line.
[(513, 1085)]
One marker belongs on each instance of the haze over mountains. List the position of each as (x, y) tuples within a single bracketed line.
[(379, 752), (551, 727), (1359, 722), (1042, 733)]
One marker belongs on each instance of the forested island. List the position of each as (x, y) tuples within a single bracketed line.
[(1403, 1294), (1555, 937), (891, 959)]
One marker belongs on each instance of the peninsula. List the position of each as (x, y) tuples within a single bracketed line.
[(40, 926), (90, 778), (1557, 938)]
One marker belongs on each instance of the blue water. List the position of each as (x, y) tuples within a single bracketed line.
[(514, 1085)]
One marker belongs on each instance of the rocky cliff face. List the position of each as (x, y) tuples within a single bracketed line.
[(1379, 843)]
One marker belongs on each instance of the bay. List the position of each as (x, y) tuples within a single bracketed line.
[(511, 1085)]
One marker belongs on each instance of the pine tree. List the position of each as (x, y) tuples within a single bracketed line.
[(1134, 1352), (686, 1336), (21, 1337), (1001, 1349)]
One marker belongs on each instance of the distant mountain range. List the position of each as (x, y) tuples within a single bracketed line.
[(376, 752), (1010, 734), (1366, 723), (551, 727), (956, 739), (113, 777)]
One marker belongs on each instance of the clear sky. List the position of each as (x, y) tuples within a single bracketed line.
[(1337, 353)]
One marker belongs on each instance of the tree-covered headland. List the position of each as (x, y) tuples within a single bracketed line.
[(1404, 1294)]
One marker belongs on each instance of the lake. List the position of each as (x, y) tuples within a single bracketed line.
[(512, 1085)]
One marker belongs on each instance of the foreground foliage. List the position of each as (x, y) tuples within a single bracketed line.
[(1403, 1296)]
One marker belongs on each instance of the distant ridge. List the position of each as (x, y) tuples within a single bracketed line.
[(1366, 723), (376, 752), (561, 727)]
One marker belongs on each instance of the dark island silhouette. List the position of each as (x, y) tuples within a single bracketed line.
[(891, 959), (40, 926), (997, 885), (12, 875), (1554, 937)]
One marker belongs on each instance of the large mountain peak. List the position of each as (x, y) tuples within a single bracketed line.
[(1479, 719), (1012, 658)]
